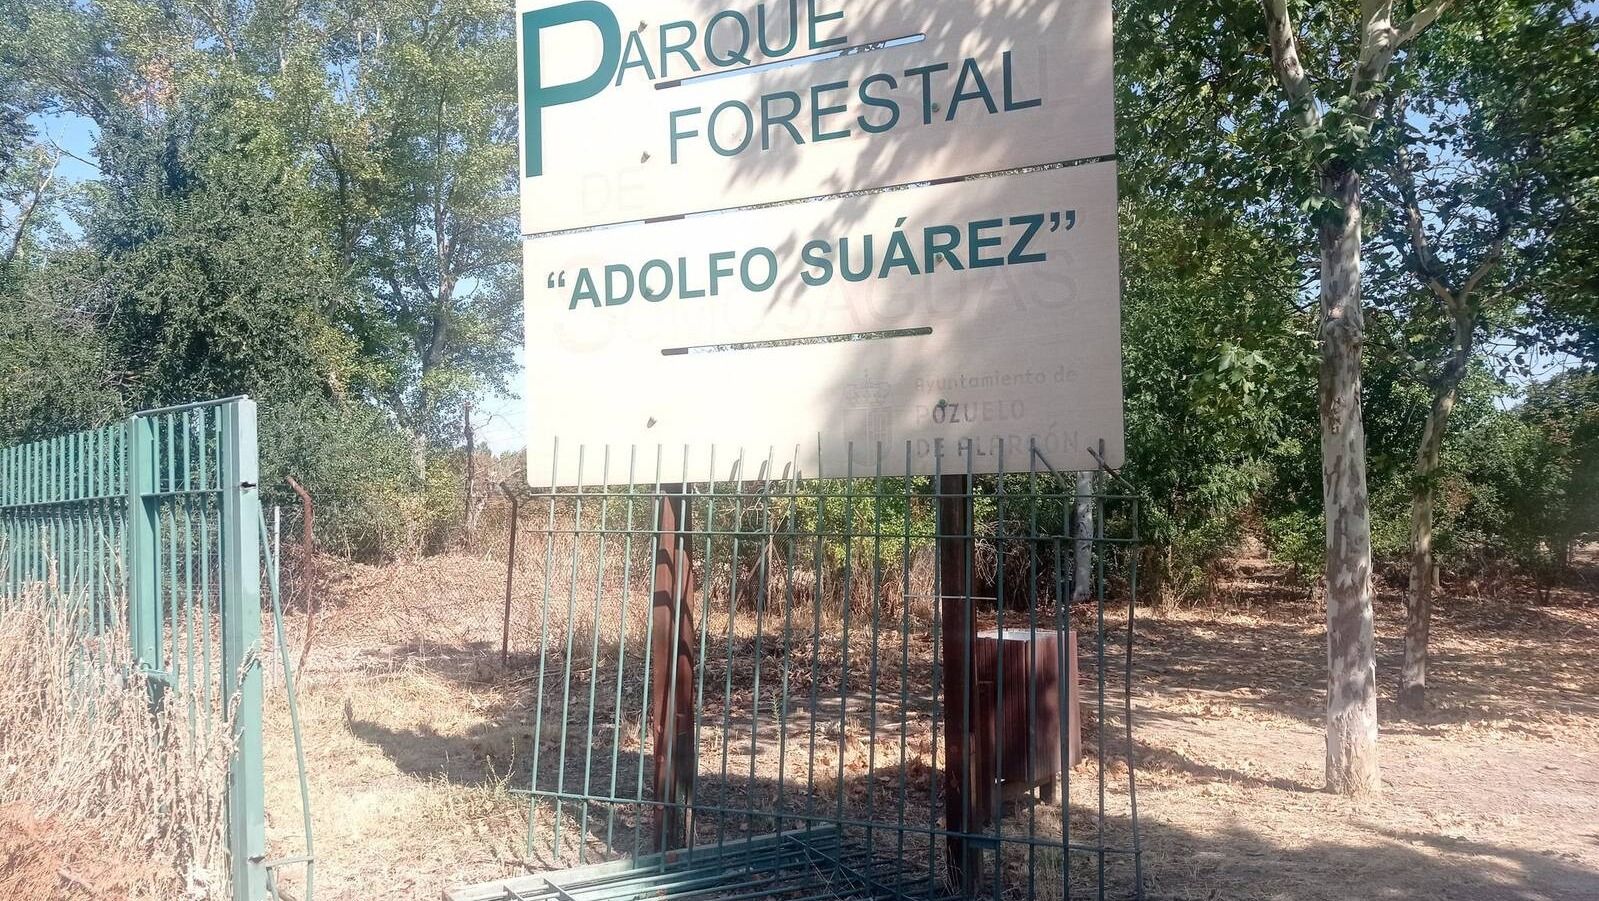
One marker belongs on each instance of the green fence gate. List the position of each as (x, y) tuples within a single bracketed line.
[(155, 522)]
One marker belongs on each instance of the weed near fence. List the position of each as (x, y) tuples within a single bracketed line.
[(98, 798)]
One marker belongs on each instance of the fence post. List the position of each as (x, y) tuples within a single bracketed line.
[(241, 646), (672, 673), (959, 628), (144, 603), (510, 577), (307, 576)]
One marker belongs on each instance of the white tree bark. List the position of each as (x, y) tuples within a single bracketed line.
[(1418, 612), (1351, 648), (1352, 767), (1083, 548)]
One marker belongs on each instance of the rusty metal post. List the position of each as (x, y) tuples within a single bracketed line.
[(510, 576), (672, 672), (307, 577), (959, 634), (471, 477)]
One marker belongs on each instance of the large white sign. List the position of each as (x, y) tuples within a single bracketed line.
[(643, 109), (981, 316)]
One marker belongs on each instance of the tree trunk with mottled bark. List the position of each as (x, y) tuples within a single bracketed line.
[(1083, 548), (1351, 648), (1352, 767), (1463, 315), (1418, 612)]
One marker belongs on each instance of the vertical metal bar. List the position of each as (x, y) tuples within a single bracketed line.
[(621, 646), (1099, 666), (140, 557), (37, 530), (169, 422), (594, 652), (30, 493), (510, 577), (760, 635), (1065, 695), (9, 482), (673, 674), (877, 604), (28, 517), (6, 519), (212, 687), (818, 590), (67, 513), (1132, 552), (544, 634), (241, 643), (727, 680), (709, 555), (190, 623), (566, 679), (848, 533), (954, 531), (657, 500), (907, 513), (972, 788), (995, 736), (9, 496), (1033, 547), (186, 505), (790, 540)]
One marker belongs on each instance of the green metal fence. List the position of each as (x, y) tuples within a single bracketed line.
[(156, 523), (746, 683)]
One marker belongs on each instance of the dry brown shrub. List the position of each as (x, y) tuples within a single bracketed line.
[(43, 859), (99, 796)]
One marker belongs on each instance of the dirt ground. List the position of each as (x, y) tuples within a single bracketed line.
[(1490, 795), (416, 742)]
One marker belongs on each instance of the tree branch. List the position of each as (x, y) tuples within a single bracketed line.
[(1421, 21), (1486, 266), (1287, 66), (1376, 51), (28, 209)]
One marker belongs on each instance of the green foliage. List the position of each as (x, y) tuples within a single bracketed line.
[(1220, 381), (56, 374), (358, 469), (1298, 538), (415, 163), (217, 284), (1533, 478), (1494, 112), (316, 205)]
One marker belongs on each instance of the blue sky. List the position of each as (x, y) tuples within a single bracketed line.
[(75, 135)]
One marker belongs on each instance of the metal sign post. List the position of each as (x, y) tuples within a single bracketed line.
[(672, 675), (960, 632)]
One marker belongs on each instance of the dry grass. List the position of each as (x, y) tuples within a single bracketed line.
[(98, 798), (1488, 795), (417, 740)]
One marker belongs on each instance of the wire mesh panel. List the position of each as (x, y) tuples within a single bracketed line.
[(752, 683)]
